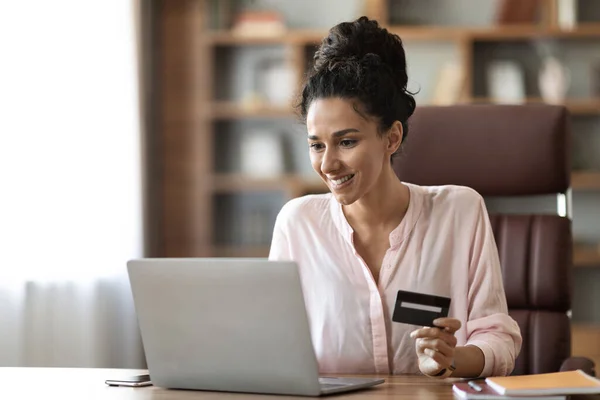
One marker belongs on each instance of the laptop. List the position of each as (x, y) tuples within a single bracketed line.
[(224, 324)]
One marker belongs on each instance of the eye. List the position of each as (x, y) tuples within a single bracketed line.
[(316, 146), (347, 142)]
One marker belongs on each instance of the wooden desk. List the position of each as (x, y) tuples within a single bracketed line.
[(88, 384)]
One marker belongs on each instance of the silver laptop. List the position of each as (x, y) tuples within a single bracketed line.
[(235, 325)]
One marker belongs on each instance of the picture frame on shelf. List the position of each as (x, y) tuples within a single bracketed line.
[(450, 84), (262, 154), (567, 14), (273, 84), (276, 82), (554, 79), (258, 23), (506, 82)]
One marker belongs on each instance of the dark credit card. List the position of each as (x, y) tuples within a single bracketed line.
[(419, 309)]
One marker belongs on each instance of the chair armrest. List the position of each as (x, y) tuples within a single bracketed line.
[(582, 363)]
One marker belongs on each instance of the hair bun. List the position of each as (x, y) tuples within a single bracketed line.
[(368, 62), (361, 60), (358, 39), (371, 60)]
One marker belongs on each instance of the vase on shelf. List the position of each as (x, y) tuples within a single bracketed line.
[(506, 82), (554, 80), (262, 154)]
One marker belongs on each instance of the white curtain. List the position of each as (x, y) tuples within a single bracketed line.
[(70, 183)]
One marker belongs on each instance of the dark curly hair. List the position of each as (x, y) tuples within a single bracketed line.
[(361, 60)]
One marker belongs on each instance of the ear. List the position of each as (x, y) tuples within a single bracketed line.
[(394, 137)]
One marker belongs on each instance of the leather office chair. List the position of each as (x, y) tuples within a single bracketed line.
[(509, 150)]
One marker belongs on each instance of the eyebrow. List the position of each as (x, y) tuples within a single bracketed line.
[(336, 134)]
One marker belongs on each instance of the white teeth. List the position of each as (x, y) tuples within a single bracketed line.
[(340, 181)]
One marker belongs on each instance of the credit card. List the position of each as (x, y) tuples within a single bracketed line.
[(419, 308)]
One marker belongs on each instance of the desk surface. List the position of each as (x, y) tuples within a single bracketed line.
[(82, 383), (88, 384)]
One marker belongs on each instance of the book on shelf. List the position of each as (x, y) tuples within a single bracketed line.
[(450, 84), (554, 383), (567, 14), (517, 11), (258, 24), (463, 390)]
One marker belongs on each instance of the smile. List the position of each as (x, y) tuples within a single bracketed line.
[(338, 183)]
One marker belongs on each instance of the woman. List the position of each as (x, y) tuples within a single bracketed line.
[(373, 235)]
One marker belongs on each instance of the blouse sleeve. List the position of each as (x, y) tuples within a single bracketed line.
[(280, 246), (489, 326)]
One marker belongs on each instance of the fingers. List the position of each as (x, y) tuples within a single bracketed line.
[(437, 343), (449, 324), (437, 350), (435, 333), (434, 346)]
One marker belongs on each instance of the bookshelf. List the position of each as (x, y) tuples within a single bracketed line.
[(201, 112), (193, 126), (296, 44)]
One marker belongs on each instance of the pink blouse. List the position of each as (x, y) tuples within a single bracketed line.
[(443, 246)]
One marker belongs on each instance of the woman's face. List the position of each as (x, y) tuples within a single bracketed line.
[(345, 148)]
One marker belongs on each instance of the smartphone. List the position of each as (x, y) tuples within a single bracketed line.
[(131, 381)]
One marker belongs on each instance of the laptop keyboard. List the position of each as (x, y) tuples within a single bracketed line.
[(326, 383), (331, 386)]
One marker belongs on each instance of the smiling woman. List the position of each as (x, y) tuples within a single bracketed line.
[(350, 160), (374, 235)]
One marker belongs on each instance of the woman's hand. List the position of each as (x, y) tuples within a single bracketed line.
[(435, 346)]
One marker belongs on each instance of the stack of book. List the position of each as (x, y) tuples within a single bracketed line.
[(555, 386)]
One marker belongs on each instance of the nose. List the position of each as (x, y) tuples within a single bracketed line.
[(330, 161)]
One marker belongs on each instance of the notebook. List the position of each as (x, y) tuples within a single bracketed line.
[(554, 383), (462, 390)]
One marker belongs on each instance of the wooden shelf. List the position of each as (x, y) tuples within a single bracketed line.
[(526, 32), (493, 33), (585, 180), (233, 183), (310, 186), (314, 37), (241, 251), (231, 110), (583, 106), (296, 36), (442, 33), (586, 255), (291, 184)]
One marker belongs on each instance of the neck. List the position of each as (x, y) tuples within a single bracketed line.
[(383, 207)]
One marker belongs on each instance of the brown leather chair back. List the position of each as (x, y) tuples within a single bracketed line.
[(506, 150)]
